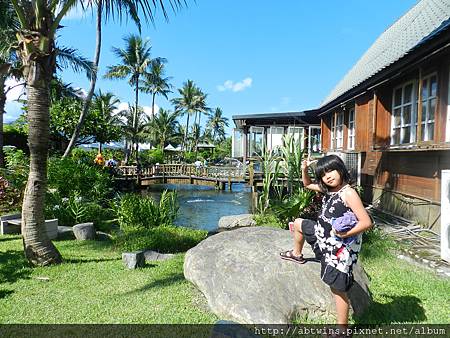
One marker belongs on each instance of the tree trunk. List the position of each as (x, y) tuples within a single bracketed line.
[(39, 250), (88, 100), (186, 132), (100, 147), (2, 111), (135, 119), (126, 152), (153, 105)]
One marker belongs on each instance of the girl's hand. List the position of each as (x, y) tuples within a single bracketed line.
[(306, 163), (342, 234)]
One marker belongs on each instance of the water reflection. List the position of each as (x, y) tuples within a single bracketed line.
[(201, 207)]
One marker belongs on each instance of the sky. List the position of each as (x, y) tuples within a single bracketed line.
[(249, 56)]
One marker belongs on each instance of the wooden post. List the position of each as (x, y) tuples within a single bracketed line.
[(229, 182), (251, 172)]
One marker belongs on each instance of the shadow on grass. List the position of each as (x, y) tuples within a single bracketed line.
[(8, 238), (401, 309), (90, 260), (5, 293), (13, 266), (160, 283)]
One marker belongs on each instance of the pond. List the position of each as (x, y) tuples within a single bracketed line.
[(201, 207)]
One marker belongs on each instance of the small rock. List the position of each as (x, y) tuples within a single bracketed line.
[(133, 260), (84, 231), (102, 236), (43, 279)]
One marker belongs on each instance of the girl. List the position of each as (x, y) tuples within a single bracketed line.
[(336, 255)]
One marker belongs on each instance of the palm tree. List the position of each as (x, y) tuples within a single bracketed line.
[(104, 106), (163, 127), (155, 83), (201, 108), (8, 59), (135, 61), (217, 123), (135, 126), (36, 47), (187, 104), (116, 8)]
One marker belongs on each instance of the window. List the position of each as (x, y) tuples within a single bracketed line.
[(256, 141), (404, 118), (275, 138), (237, 143), (298, 133), (447, 127), (351, 129), (337, 130), (314, 144), (429, 93)]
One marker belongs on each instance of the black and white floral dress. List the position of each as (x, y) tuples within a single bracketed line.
[(337, 258)]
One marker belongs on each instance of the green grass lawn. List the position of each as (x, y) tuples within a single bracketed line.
[(92, 286)]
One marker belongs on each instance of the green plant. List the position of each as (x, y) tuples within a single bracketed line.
[(135, 212), (152, 156), (271, 171), (292, 154), (293, 205), (93, 183)]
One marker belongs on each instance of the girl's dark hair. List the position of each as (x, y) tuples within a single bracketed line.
[(330, 163)]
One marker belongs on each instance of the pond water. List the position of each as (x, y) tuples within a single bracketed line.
[(201, 207)]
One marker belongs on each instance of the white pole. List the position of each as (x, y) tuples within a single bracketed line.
[(445, 215)]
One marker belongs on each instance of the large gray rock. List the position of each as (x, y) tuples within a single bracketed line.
[(84, 231), (236, 221), (243, 278)]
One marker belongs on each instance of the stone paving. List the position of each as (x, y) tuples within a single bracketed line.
[(423, 245)]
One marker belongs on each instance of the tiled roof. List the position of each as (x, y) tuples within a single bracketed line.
[(420, 23)]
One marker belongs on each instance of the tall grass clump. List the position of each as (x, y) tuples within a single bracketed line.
[(143, 212)]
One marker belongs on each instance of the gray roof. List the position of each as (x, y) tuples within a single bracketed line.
[(417, 25)]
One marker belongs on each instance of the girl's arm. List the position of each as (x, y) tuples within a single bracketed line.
[(307, 183), (353, 201)]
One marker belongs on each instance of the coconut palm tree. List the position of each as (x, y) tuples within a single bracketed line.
[(106, 9), (201, 108), (36, 36), (155, 82), (187, 104), (135, 126), (135, 60), (217, 123), (163, 127), (107, 129)]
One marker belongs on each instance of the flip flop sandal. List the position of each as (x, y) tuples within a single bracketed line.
[(289, 255)]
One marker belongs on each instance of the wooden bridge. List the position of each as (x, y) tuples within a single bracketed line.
[(215, 176)]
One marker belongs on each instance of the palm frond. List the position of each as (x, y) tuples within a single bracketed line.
[(70, 57)]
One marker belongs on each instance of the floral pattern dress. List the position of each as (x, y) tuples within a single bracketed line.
[(337, 256)]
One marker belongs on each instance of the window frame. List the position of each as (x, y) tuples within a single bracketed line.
[(337, 130), (426, 122), (351, 129), (413, 114), (301, 135)]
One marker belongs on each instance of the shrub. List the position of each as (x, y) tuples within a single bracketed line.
[(269, 220), (162, 239), (152, 156), (74, 209), (66, 175), (137, 212)]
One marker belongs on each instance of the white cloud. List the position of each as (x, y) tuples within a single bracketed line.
[(235, 87), (15, 92)]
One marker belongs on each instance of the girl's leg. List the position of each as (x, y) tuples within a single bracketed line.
[(342, 306), (299, 238)]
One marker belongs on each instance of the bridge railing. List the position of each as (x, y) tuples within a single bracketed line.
[(184, 170)]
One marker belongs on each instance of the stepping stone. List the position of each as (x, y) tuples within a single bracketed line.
[(133, 260), (84, 231), (156, 256)]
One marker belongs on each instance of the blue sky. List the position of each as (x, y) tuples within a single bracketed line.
[(250, 56)]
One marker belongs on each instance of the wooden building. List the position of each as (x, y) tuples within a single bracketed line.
[(391, 113), (256, 132)]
